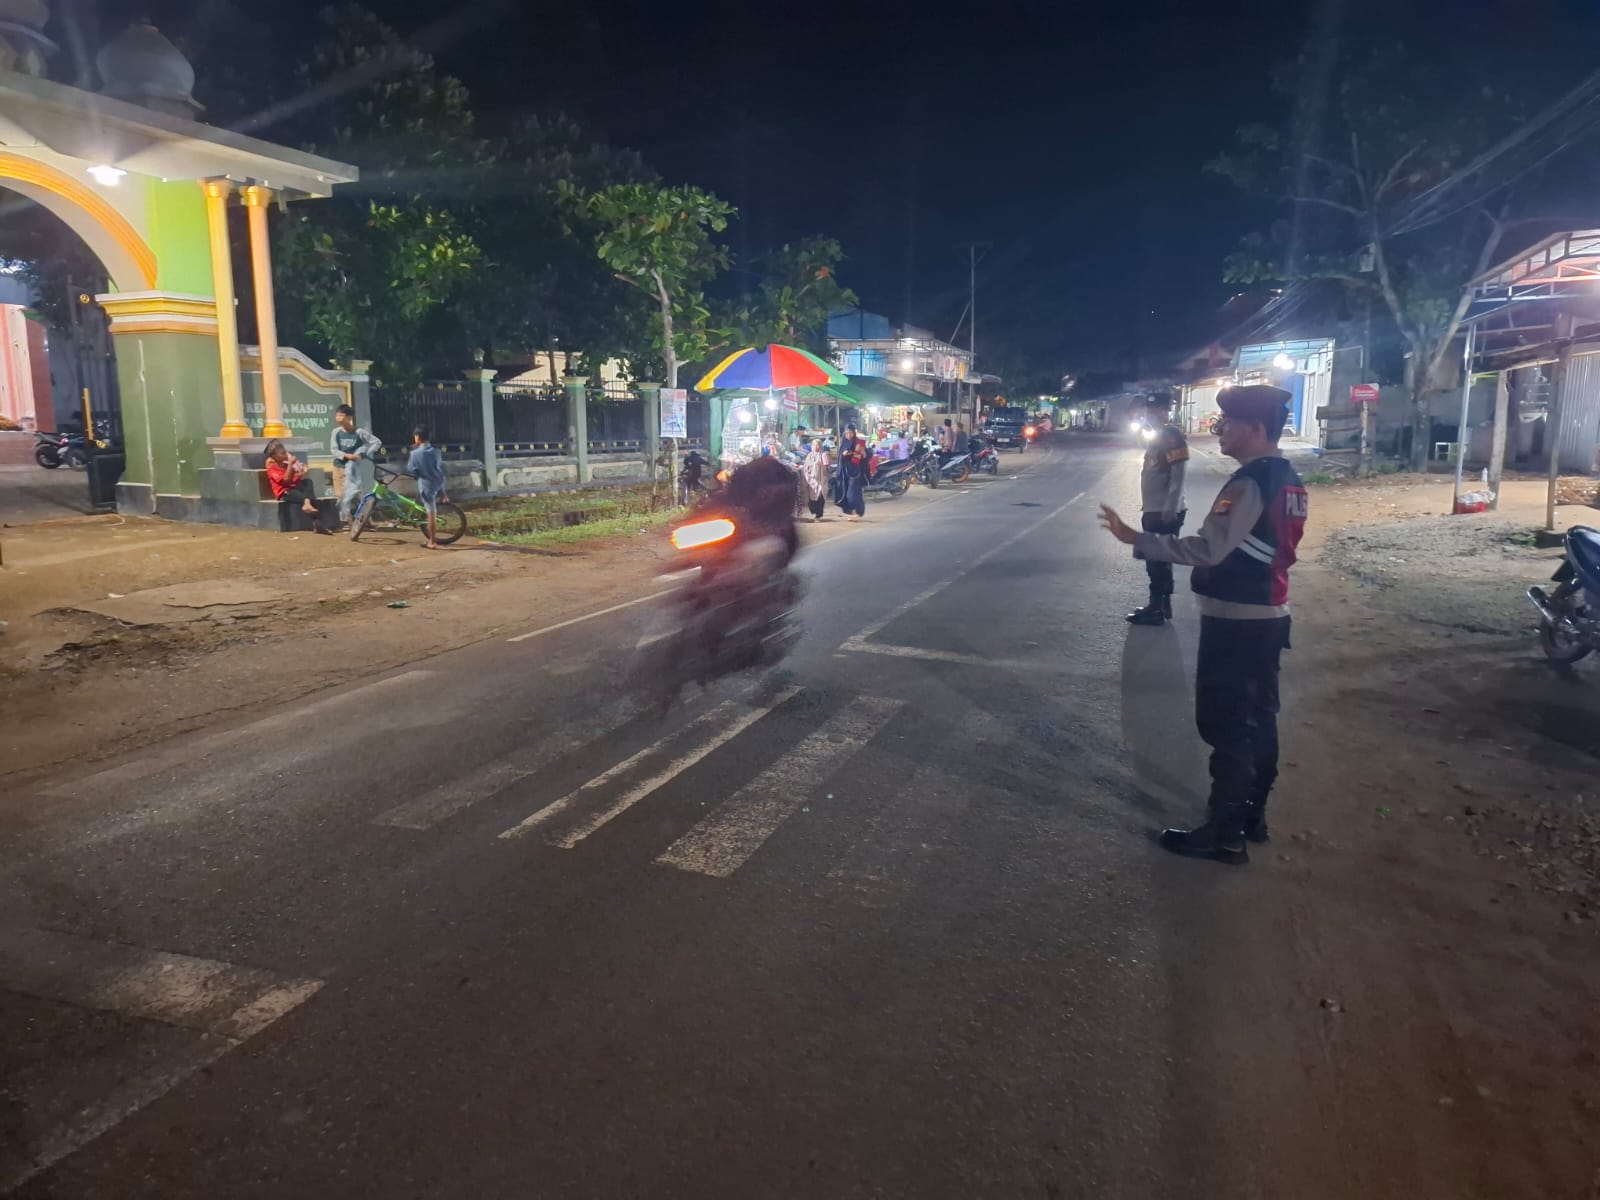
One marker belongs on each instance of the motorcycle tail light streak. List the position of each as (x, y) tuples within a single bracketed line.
[(702, 533)]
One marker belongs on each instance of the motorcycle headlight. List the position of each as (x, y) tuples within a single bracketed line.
[(1148, 435), (702, 533), (1133, 427)]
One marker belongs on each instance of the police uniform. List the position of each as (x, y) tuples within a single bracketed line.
[(1160, 492), (1241, 557)]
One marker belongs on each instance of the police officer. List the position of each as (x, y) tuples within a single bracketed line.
[(1162, 503), (1241, 558)]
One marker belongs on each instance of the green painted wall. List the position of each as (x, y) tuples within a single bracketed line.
[(308, 413), (171, 403), (175, 214)]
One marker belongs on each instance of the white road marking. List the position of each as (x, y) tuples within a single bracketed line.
[(855, 644), (721, 843), (723, 714), (604, 612), (922, 597), (224, 1003), (451, 797), (186, 751)]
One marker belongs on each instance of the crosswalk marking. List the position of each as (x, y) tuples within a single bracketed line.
[(447, 799), (724, 715), (721, 843), (225, 1004)]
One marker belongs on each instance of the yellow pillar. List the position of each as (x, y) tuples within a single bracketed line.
[(256, 200), (233, 422)]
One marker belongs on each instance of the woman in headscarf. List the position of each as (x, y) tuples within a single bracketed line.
[(814, 473), (855, 462)]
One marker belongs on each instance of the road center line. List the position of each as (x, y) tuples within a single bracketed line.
[(900, 610)]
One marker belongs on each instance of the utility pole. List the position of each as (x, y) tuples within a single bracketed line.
[(972, 249)]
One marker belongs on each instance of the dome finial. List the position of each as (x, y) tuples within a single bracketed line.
[(141, 66)]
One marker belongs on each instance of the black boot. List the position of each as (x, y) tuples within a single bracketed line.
[(1154, 613), (1255, 824), (1206, 841)]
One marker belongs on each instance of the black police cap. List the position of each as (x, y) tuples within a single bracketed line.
[(1258, 402)]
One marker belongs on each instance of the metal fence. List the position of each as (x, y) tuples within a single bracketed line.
[(530, 420), (451, 412)]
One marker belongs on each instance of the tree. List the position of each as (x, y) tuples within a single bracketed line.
[(1401, 183), (658, 240), (799, 291), (365, 271), (543, 287)]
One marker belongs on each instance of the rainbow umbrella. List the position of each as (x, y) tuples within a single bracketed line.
[(760, 367)]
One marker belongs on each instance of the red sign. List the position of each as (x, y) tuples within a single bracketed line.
[(1363, 393), (791, 400)]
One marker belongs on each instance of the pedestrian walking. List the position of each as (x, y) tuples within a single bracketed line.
[(426, 466), (815, 472), (1241, 558), (855, 461), (351, 446), (1162, 506)]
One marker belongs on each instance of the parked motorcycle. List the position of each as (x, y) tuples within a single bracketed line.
[(983, 455), (893, 477), (926, 462), (957, 468), (735, 612), (50, 450), (1569, 624)]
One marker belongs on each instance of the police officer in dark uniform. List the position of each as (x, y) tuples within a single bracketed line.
[(1241, 558), (1162, 503)]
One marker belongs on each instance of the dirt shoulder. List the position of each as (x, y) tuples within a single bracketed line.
[(1438, 854), (121, 630)]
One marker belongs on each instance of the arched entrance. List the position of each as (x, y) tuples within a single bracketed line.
[(149, 192)]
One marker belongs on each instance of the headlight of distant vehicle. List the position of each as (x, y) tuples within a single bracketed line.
[(1029, 431), (1148, 435), (1133, 426)]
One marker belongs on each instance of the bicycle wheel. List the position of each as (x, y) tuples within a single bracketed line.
[(362, 517), (450, 525)]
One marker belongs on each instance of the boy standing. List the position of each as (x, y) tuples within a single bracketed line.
[(351, 446), (426, 466)]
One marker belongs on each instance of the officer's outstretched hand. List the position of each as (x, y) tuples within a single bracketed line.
[(1116, 526)]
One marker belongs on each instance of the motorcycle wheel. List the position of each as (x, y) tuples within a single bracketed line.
[(1563, 647), (961, 476), (47, 458), (76, 459), (899, 487)]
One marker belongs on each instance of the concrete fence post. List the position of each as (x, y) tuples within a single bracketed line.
[(484, 378), (361, 400), (577, 389), (650, 393)]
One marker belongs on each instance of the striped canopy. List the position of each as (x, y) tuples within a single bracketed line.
[(770, 367)]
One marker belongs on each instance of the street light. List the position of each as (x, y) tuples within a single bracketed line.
[(1283, 362), (907, 364)]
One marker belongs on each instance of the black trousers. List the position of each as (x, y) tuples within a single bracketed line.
[(292, 517), (1236, 708), (1160, 572)]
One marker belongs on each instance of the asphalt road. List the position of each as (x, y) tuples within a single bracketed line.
[(889, 923)]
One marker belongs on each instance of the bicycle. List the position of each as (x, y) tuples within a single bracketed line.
[(383, 504)]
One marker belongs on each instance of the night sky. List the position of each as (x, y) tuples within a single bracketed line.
[(1070, 136)]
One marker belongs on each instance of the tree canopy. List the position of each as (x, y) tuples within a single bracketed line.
[(1402, 174)]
